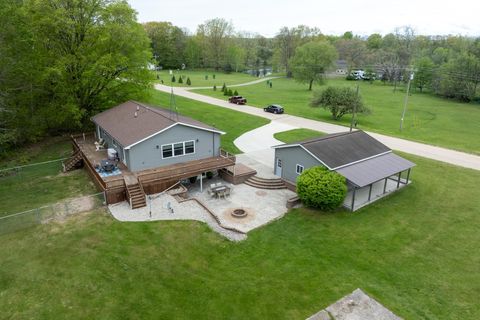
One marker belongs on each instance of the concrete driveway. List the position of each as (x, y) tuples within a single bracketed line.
[(257, 144), (458, 158)]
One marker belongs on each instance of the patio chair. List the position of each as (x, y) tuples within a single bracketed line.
[(218, 184), (227, 192), (221, 194), (212, 186), (100, 145)]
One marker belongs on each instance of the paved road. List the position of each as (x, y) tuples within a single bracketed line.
[(424, 150)]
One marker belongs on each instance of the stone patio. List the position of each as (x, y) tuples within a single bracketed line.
[(263, 206)]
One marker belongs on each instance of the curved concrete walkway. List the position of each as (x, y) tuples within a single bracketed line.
[(420, 149), (232, 85)]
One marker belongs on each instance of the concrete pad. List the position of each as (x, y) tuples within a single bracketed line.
[(264, 170), (355, 306), (261, 138)]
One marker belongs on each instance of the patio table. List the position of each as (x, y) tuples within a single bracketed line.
[(217, 190)]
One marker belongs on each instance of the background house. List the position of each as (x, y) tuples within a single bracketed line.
[(148, 137), (372, 170)]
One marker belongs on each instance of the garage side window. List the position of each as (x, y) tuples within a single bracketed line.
[(299, 169)]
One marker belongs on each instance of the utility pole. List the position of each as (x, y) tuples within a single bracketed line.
[(406, 100), (354, 108)]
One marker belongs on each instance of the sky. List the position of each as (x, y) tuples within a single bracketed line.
[(334, 17)]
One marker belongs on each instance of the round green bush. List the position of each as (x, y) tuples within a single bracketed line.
[(320, 188)]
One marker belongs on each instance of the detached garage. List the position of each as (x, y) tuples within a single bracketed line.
[(372, 170)]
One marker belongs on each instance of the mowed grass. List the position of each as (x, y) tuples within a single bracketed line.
[(415, 251), (35, 186), (234, 123), (197, 77), (295, 135), (429, 119)]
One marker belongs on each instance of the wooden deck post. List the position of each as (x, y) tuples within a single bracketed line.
[(399, 177), (353, 198)]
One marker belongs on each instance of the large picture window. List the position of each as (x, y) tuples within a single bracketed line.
[(178, 149)]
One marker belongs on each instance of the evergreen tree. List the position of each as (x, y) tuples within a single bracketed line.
[(224, 87), (173, 78), (189, 82), (235, 93), (214, 88), (180, 80)]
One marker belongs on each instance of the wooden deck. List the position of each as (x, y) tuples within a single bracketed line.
[(152, 180)]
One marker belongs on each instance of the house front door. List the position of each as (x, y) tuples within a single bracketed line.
[(278, 167)]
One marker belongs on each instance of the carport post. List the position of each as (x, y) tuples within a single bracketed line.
[(385, 186), (370, 192), (201, 182), (408, 174), (353, 197), (399, 177)]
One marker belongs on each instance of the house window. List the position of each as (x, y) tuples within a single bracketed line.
[(189, 147), (167, 151), (279, 163), (178, 149), (299, 169)]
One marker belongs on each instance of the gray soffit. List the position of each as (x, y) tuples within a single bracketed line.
[(369, 171)]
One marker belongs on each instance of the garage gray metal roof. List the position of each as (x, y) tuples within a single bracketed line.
[(340, 149), (375, 169), (132, 122)]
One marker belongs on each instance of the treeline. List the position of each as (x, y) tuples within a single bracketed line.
[(445, 65), (62, 61)]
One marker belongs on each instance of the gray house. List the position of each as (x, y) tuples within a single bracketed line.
[(149, 137), (371, 169)]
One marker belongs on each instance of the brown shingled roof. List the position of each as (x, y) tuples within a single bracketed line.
[(122, 125)]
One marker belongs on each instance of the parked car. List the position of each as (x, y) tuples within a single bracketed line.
[(237, 100), (274, 108)]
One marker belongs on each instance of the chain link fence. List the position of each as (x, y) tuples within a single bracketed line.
[(57, 211)]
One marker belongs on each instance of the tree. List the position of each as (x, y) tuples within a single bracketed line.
[(374, 41), (311, 61), (288, 39), (214, 34), (180, 80), (173, 78), (168, 43), (189, 83), (69, 58), (424, 73), (321, 188), (339, 101), (459, 78)]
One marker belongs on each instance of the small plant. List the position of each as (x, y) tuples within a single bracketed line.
[(225, 91), (180, 80), (189, 82), (230, 92), (206, 77), (235, 93), (192, 179), (213, 76), (173, 79), (214, 88), (209, 174), (224, 87), (321, 188)]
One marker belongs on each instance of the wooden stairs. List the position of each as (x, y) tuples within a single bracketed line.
[(135, 194), (73, 162), (263, 183)]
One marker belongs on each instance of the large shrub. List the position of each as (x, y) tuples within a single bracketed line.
[(320, 188)]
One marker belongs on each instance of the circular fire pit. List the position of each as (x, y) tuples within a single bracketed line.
[(239, 213)]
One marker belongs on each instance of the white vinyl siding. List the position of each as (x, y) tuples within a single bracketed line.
[(178, 149)]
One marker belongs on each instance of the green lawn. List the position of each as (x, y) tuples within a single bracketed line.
[(232, 122), (415, 251), (197, 77), (36, 186), (429, 119), (295, 135)]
